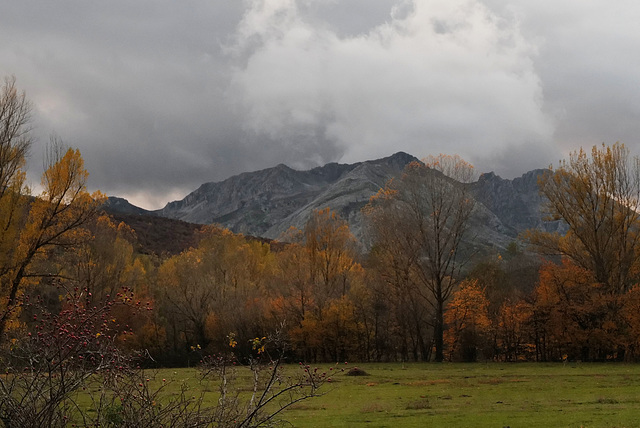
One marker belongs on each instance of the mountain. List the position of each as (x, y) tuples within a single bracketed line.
[(121, 205), (268, 202), (517, 203)]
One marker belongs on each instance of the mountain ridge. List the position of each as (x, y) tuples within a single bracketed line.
[(266, 203)]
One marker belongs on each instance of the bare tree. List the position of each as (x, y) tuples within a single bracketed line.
[(15, 138), (15, 141), (419, 220), (68, 371)]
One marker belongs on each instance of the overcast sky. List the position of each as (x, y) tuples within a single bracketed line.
[(161, 96)]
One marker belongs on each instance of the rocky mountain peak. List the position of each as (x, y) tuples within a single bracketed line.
[(488, 176), (266, 203)]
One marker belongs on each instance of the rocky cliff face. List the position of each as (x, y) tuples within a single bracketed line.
[(266, 203), (517, 203)]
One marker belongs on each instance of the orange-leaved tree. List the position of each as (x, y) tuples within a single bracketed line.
[(468, 322), (514, 336), (579, 322)]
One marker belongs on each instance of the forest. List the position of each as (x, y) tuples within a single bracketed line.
[(70, 273)]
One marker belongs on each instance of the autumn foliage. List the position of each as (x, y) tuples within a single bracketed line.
[(417, 294), (468, 322)]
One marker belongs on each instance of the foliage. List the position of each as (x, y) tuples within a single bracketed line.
[(56, 222), (411, 298), (581, 317), (598, 196), (201, 290), (468, 322)]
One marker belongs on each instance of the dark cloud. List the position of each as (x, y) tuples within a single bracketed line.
[(587, 61), (161, 96)]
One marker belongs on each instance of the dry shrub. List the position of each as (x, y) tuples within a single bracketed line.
[(355, 371)]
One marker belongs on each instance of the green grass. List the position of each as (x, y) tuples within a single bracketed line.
[(479, 395), (466, 395)]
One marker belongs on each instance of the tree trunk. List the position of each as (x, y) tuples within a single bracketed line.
[(438, 330)]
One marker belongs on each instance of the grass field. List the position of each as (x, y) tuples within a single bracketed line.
[(471, 395), (479, 395)]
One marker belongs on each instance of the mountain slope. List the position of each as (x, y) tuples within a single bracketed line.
[(268, 202), (517, 203), (121, 205)]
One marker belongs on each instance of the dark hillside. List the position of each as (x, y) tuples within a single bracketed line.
[(159, 235)]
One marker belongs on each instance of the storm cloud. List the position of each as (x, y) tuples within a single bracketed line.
[(162, 96)]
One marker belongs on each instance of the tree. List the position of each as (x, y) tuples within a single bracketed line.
[(468, 319), (598, 196), (579, 320), (15, 142), (29, 228), (207, 292), (514, 338), (331, 249), (318, 270), (422, 218), (631, 316), (398, 292), (15, 139), (106, 262), (56, 219)]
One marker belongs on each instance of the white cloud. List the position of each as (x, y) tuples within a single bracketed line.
[(438, 76)]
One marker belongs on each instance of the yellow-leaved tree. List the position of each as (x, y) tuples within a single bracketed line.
[(598, 196), (55, 219), (318, 274)]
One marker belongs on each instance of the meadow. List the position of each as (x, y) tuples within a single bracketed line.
[(467, 395)]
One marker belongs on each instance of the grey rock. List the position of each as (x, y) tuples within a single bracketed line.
[(267, 203)]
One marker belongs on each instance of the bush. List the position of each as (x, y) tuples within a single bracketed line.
[(71, 357)]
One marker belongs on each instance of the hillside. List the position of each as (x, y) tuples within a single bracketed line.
[(158, 235)]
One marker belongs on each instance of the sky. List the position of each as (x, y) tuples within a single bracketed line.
[(161, 96)]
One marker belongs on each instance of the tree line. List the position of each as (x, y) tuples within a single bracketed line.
[(420, 293)]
